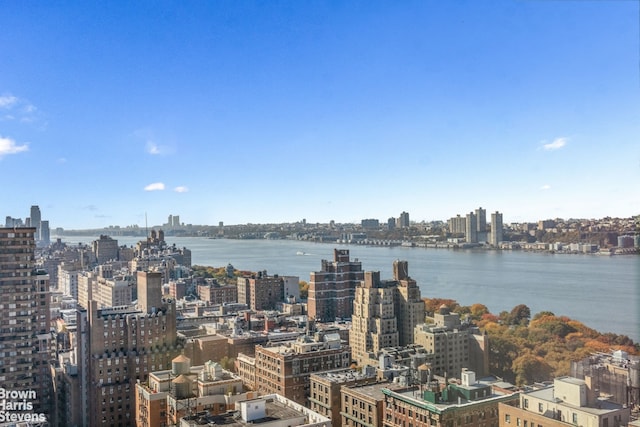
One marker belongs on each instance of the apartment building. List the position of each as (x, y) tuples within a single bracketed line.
[(260, 292), (466, 404), (184, 390), (453, 346), (569, 401), (332, 289), (24, 319), (285, 369), (326, 387)]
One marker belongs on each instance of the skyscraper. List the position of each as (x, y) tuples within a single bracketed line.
[(496, 228), (471, 235), (35, 218), (481, 216), (24, 319)]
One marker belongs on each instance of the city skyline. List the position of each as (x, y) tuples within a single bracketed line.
[(271, 113)]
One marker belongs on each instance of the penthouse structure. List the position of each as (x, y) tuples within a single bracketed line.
[(332, 290), (24, 319), (569, 401)]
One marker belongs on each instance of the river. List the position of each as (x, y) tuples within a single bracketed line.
[(603, 292)]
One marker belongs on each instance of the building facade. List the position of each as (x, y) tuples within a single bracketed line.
[(332, 290), (495, 237), (569, 401), (285, 368), (24, 319), (373, 324)]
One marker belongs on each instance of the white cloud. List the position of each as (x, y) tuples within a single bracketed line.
[(8, 146), (545, 187), (18, 109), (62, 160), (556, 144), (152, 148), (156, 186), (181, 189), (8, 101)]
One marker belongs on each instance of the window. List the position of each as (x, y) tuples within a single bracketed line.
[(507, 418), (540, 407), (574, 418)]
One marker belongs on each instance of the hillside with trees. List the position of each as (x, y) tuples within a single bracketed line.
[(525, 349)]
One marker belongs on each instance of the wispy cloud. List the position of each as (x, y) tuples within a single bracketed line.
[(181, 189), (545, 187), (556, 144), (62, 160), (152, 148), (8, 101), (17, 109), (9, 146), (156, 186), (92, 208)]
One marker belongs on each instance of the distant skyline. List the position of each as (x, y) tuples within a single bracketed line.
[(271, 112)]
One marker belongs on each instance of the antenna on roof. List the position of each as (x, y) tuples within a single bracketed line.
[(146, 227)]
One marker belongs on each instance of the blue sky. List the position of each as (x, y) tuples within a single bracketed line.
[(241, 111)]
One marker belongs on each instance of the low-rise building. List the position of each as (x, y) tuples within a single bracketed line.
[(271, 410), (468, 403), (185, 390), (569, 401), (326, 386)]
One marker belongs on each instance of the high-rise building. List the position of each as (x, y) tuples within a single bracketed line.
[(45, 233), (471, 234), (457, 225), (373, 323), (385, 313), (24, 319), (410, 309), (332, 290), (481, 216), (116, 348), (35, 218), (105, 249), (403, 220), (496, 229)]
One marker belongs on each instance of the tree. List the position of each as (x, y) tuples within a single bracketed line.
[(304, 289), (520, 315), (478, 310)]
